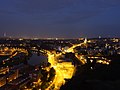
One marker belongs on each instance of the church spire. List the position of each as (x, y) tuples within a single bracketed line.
[(85, 41)]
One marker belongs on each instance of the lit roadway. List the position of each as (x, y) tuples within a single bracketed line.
[(71, 48), (59, 78)]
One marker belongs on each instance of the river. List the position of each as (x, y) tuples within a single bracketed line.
[(36, 60)]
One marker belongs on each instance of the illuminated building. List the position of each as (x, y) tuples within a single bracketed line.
[(85, 41), (2, 81), (36, 76), (4, 70), (20, 82), (12, 75), (67, 69)]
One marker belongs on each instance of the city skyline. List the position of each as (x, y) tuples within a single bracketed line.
[(60, 18)]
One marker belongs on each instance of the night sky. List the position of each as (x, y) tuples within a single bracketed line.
[(60, 18)]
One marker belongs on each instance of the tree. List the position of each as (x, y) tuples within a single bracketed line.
[(52, 74)]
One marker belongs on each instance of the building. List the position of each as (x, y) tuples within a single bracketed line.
[(12, 75), (20, 82), (36, 76), (4, 70), (67, 69), (2, 81)]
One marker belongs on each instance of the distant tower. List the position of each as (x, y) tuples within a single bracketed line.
[(4, 34), (85, 41)]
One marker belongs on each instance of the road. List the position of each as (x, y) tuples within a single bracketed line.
[(59, 78)]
